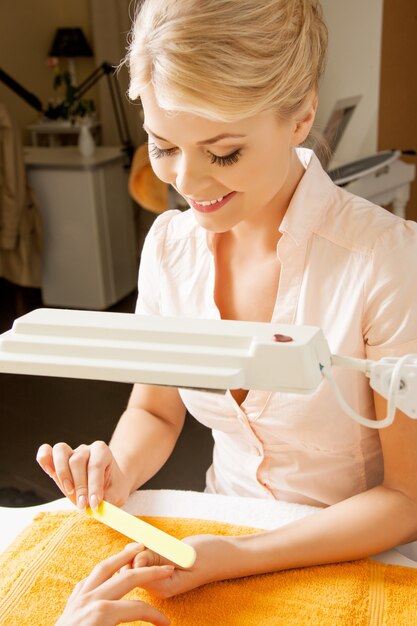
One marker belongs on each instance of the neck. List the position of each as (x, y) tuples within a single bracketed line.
[(261, 230)]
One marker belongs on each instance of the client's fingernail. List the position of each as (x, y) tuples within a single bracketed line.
[(82, 502), (68, 486), (94, 502), (135, 547)]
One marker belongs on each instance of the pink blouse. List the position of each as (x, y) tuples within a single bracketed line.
[(347, 266)]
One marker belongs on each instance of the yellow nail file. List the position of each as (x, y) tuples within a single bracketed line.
[(157, 540)]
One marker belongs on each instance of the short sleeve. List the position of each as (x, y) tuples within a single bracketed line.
[(390, 309), (148, 302)]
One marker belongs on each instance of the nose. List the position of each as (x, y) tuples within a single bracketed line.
[(191, 175)]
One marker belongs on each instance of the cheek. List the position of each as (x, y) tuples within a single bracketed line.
[(241, 176), (264, 173)]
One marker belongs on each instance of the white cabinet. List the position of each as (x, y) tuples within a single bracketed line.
[(89, 258)]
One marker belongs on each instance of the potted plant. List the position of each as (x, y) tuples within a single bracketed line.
[(66, 105)]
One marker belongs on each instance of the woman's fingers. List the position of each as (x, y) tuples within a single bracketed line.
[(120, 585), (100, 459), (105, 570), (78, 466), (80, 473), (61, 453), (110, 587), (131, 611), (45, 459), (101, 591), (54, 461), (148, 558)]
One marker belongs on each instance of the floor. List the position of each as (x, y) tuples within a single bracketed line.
[(35, 409)]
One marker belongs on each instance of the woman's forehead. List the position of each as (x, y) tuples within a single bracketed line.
[(196, 128)]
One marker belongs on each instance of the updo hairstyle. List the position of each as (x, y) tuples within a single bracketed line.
[(228, 59)]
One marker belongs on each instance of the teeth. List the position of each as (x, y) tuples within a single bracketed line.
[(208, 202)]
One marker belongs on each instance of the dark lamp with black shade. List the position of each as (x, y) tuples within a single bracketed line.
[(70, 43)]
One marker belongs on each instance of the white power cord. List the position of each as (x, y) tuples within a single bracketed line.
[(364, 421), (394, 378)]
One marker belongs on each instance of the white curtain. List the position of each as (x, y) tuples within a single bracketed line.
[(111, 22)]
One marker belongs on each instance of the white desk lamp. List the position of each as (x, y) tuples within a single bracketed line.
[(201, 354), (214, 355)]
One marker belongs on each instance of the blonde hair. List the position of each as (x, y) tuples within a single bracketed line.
[(228, 59)]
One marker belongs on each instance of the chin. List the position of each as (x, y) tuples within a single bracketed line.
[(215, 223)]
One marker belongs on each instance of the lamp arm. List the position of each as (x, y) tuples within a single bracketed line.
[(93, 78), (105, 69), (117, 104), (27, 96)]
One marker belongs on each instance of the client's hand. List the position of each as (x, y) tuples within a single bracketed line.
[(85, 475), (95, 601), (217, 559)]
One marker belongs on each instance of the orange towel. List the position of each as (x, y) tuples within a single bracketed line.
[(144, 186), (40, 569)]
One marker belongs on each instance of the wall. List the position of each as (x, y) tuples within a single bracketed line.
[(398, 97), (111, 21), (353, 67), (27, 29)]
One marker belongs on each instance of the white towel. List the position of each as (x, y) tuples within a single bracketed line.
[(253, 512)]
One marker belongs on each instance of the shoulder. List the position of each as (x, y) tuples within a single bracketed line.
[(363, 227), (341, 219)]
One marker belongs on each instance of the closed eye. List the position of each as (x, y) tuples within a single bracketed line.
[(228, 159), (157, 153)]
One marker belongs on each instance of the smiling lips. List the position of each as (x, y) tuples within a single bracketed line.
[(209, 206)]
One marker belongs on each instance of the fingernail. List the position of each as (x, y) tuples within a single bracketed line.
[(94, 502), (68, 486), (82, 502), (167, 568)]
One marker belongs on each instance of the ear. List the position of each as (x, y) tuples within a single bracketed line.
[(305, 120)]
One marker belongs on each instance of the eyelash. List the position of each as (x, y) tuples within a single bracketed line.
[(222, 161)]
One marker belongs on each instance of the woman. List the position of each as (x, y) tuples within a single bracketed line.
[(229, 93)]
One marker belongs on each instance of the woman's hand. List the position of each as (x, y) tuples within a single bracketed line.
[(86, 475), (216, 560), (95, 601)]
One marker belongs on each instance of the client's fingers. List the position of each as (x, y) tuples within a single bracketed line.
[(126, 567), (147, 558), (130, 611), (120, 585), (105, 570)]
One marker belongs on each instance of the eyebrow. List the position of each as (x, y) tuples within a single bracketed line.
[(204, 142)]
